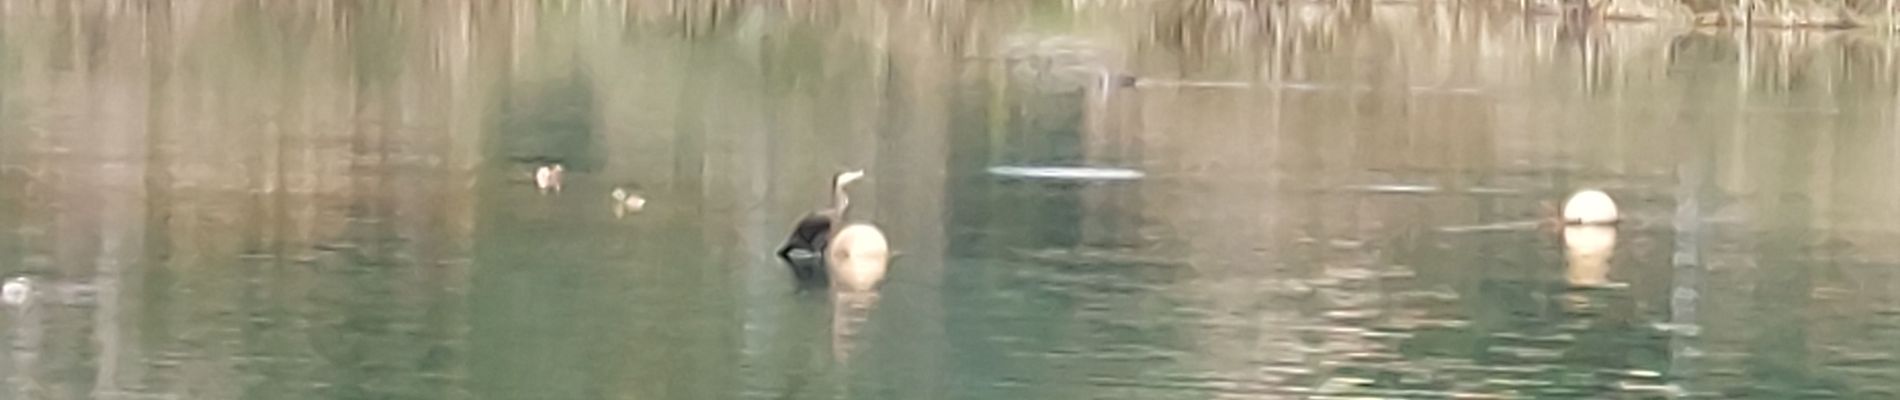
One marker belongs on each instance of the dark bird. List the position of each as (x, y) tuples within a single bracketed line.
[(815, 230)]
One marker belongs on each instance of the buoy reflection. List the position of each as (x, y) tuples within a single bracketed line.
[(1587, 251), (850, 310)]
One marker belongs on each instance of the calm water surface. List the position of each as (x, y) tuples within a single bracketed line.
[(303, 200)]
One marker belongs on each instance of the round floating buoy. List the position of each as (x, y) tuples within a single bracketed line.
[(1590, 207), (857, 258)]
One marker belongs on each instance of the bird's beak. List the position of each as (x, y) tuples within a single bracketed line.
[(853, 176)]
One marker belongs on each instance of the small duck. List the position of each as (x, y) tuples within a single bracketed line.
[(548, 178), (627, 201), (16, 290)]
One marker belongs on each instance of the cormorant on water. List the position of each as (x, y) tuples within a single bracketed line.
[(814, 231)]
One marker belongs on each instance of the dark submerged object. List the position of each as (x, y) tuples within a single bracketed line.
[(814, 231)]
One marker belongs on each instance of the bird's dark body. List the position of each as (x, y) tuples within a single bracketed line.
[(811, 235)]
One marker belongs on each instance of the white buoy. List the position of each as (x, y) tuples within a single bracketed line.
[(857, 258), (15, 290), (1590, 207)]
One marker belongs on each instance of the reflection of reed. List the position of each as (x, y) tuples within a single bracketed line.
[(193, 157), (1209, 29)]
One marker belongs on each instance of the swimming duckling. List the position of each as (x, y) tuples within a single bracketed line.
[(548, 178), (626, 201), (15, 290)]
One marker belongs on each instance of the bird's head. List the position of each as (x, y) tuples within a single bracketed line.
[(847, 177)]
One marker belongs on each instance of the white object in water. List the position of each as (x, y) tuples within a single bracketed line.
[(548, 177), (1075, 173), (1397, 189), (1589, 207), (626, 202), (857, 258), (1422, 189), (15, 290), (802, 254)]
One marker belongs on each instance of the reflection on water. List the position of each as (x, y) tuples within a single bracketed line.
[(338, 200), (1587, 251)]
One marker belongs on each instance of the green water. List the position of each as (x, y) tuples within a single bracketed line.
[(305, 200)]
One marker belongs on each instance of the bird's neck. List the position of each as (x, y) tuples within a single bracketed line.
[(839, 199)]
